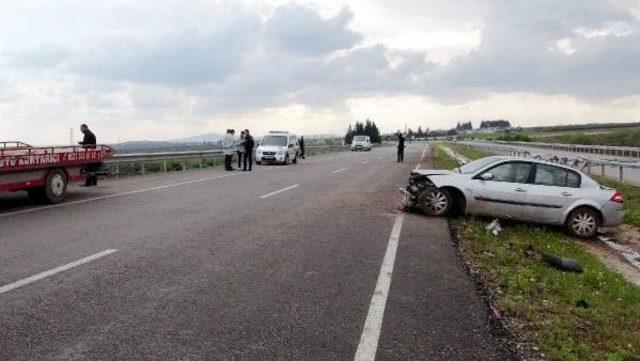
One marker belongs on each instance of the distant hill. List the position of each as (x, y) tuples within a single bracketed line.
[(149, 146), (209, 138)]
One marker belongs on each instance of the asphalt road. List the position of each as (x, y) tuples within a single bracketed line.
[(283, 263)]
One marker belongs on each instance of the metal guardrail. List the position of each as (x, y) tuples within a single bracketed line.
[(629, 152), (586, 163), (204, 158)]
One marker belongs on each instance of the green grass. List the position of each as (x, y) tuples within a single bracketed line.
[(620, 137), (442, 160), (539, 302), (471, 153)]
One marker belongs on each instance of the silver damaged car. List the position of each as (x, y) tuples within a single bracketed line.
[(521, 189)]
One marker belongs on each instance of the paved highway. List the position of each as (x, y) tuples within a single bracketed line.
[(306, 262)]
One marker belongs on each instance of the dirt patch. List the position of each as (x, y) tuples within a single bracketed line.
[(613, 260), (628, 235)]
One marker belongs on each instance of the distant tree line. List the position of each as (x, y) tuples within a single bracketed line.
[(495, 124), (464, 126), (367, 128)]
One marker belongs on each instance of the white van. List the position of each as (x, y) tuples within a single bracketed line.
[(361, 142), (278, 147)]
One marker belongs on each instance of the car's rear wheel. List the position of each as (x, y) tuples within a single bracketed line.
[(434, 201), (583, 222)]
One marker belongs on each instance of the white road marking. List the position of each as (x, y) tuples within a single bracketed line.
[(51, 272), (424, 152), (66, 204), (339, 170), (371, 332), (279, 191)]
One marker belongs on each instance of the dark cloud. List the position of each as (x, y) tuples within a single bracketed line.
[(186, 57), (519, 52), (297, 56), (300, 29)]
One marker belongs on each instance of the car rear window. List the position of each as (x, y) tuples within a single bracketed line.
[(549, 175)]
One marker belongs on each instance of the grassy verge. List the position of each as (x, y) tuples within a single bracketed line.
[(593, 315)]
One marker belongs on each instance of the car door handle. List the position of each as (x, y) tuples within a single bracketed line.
[(566, 194), (520, 190)]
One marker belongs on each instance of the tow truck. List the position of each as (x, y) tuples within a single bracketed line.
[(45, 172)]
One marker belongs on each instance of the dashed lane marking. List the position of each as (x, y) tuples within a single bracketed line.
[(373, 324), (51, 272), (279, 191)]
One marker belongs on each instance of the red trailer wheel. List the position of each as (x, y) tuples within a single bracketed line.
[(55, 188)]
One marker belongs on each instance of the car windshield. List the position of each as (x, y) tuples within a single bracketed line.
[(359, 138), (476, 165), (274, 140)]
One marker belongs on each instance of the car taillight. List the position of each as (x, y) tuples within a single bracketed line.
[(617, 197)]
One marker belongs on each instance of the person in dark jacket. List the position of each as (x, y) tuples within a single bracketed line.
[(89, 142), (248, 151), (400, 147), (301, 145)]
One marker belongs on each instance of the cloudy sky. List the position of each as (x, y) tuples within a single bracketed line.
[(155, 69)]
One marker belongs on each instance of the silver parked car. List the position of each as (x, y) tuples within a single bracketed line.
[(521, 189)]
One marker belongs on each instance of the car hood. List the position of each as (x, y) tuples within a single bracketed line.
[(270, 148), (428, 172)]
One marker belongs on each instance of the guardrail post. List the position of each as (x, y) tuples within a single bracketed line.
[(621, 175), (117, 170), (142, 167), (214, 160), (200, 162), (164, 165), (184, 165), (602, 169)]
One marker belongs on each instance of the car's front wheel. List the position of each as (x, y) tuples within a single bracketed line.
[(583, 222), (434, 201)]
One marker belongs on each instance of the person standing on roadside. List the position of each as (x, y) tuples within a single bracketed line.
[(228, 148), (240, 148), (400, 147), (301, 145), (89, 142), (248, 151)]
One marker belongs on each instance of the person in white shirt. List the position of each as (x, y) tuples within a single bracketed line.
[(240, 148), (228, 148)]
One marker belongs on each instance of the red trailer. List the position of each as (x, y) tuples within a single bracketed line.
[(45, 172)]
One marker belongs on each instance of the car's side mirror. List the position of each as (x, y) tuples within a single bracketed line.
[(486, 176)]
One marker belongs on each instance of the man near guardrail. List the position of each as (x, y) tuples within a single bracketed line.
[(228, 148)]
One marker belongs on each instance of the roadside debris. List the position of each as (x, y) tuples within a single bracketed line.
[(563, 263), (581, 303), (631, 255), (494, 227)]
